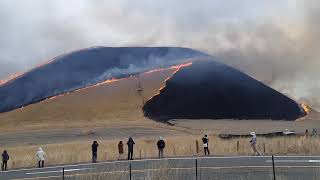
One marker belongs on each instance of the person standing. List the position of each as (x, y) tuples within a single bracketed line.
[(94, 148), (253, 143), (120, 150), (40, 157), (130, 144), (161, 145), (5, 159), (205, 141)]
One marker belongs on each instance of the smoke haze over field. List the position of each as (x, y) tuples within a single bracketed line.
[(275, 41)]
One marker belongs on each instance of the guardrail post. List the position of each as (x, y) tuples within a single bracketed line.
[(130, 171), (196, 169), (273, 169), (197, 146), (237, 146), (264, 148), (62, 173)]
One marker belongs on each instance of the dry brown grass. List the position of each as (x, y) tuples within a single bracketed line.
[(146, 148), (111, 105)]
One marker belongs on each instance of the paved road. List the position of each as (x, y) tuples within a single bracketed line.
[(233, 167)]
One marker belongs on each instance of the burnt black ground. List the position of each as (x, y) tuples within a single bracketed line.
[(87, 67), (211, 90)]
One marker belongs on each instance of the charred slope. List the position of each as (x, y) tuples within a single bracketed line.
[(210, 90), (84, 68)]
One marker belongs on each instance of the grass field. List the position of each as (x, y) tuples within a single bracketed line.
[(77, 152)]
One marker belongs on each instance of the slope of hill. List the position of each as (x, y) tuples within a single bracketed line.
[(210, 90), (84, 68), (113, 105)]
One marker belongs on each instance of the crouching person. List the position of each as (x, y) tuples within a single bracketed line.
[(161, 145), (40, 157)]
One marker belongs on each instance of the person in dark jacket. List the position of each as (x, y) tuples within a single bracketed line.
[(130, 144), (120, 150), (5, 159), (205, 141), (161, 145), (94, 147)]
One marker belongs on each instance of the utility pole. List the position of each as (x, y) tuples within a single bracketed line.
[(140, 91)]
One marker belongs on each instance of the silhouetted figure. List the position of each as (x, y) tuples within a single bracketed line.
[(120, 150), (314, 131), (40, 157), (253, 143), (205, 141), (5, 159), (130, 144), (94, 148), (161, 145)]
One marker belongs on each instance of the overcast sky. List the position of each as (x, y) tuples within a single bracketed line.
[(276, 41)]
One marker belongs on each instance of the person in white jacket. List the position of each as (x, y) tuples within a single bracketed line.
[(40, 157), (253, 143)]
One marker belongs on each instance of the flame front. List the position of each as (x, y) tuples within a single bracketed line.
[(11, 77), (176, 67), (305, 108)]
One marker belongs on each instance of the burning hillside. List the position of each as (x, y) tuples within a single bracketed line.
[(210, 90), (86, 68)]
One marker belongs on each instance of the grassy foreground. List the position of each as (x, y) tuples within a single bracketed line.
[(77, 152)]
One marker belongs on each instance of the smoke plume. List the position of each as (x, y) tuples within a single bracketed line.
[(276, 42)]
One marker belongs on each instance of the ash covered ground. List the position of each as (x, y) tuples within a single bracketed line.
[(211, 90)]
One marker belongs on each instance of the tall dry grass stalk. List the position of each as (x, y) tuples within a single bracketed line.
[(78, 152)]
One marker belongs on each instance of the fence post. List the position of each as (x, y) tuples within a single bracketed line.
[(62, 173), (130, 171), (237, 145), (174, 151), (273, 169), (140, 154), (264, 148), (197, 146), (196, 169)]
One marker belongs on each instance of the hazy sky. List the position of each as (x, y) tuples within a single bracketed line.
[(276, 41)]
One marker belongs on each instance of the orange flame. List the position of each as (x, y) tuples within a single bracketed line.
[(15, 76), (176, 67), (11, 77), (305, 108)]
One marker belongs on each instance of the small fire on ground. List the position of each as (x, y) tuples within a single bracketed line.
[(305, 108), (11, 77)]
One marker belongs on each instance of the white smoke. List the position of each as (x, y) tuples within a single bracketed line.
[(275, 41)]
